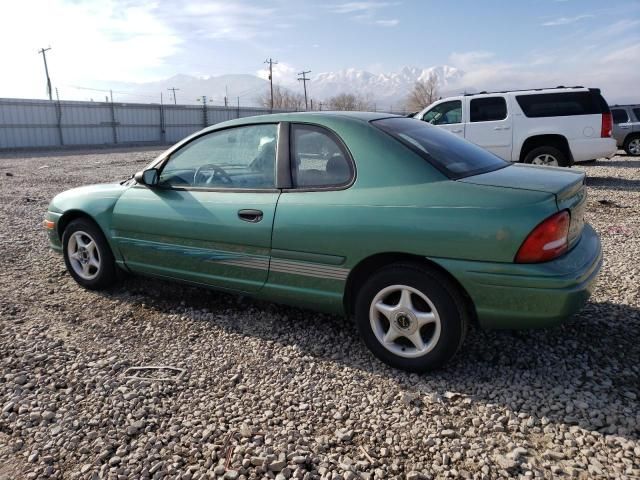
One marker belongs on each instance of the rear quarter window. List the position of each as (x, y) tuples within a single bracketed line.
[(619, 115), (561, 104), (453, 156), (636, 112)]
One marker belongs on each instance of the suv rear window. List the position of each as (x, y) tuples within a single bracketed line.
[(636, 112), (449, 153), (487, 109), (562, 104)]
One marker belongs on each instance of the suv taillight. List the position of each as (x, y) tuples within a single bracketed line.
[(607, 125), (548, 240)]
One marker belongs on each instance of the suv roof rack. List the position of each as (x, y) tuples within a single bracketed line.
[(521, 90)]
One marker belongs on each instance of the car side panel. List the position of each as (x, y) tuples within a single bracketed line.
[(319, 237), (581, 131), (195, 236)]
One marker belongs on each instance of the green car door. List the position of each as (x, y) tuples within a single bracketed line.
[(208, 217)]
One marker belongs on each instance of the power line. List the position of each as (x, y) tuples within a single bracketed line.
[(174, 89), (44, 51), (304, 81), (271, 63)]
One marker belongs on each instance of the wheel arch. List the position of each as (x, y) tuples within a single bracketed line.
[(630, 136), (371, 264), (546, 140), (71, 215)]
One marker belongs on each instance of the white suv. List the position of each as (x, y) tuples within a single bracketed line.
[(551, 126)]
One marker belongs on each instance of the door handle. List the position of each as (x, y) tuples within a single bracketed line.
[(249, 215), (624, 127), (501, 128), (457, 130)]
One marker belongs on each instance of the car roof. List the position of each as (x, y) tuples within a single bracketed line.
[(314, 117)]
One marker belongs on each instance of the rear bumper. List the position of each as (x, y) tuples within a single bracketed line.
[(592, 148), (515, 296)]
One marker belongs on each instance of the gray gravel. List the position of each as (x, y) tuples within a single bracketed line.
[(276, 392)]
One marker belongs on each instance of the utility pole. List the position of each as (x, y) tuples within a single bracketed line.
[(304, 81), (226, 96), (174, 90), (44, 51), (271, 64), (59, 117), (205, 118)]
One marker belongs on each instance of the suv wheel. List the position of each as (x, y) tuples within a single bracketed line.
[(632, 145), (549, 156), (411, 317), (87, 255)]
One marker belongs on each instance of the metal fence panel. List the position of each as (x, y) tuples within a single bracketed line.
[(26, 123)]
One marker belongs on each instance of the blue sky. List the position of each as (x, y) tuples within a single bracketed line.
[(493, 42)]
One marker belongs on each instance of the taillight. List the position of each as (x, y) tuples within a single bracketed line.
[(548, 240), (607, 125)]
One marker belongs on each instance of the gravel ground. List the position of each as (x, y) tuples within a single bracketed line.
[(266, 391)]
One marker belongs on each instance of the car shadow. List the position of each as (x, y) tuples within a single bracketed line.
[(613, 183), (535, 372), (76, 150), (621, 161)]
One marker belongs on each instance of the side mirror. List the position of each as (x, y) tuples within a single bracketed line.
[(148, 177)]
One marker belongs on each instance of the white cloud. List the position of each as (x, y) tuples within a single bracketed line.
[(566, 20), (388, 23), (228, 20), (359, 7), (106, 40), (603, 65), (283, 73)]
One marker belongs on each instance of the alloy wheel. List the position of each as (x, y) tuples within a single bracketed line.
[(634, 146), (405, 321), (545, 159), (84, 256)]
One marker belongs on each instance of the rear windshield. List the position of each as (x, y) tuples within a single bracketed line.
[(449, 153), (562, 104)]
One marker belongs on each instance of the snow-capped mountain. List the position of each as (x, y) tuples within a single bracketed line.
[(383, 89)]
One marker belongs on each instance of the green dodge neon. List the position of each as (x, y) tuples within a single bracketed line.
[(405, 227)]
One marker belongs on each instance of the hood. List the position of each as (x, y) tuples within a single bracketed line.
[(101, 195)]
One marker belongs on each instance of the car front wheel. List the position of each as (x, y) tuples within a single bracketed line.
[(411, 317), (87, 255)]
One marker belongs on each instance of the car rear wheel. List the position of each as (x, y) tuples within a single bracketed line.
[(632, 145), (87, 255), (411, 317), (548, 156)]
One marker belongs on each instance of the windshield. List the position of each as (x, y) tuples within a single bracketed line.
[(450, 154)]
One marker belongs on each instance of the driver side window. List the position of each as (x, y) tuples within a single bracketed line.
[(445, 113), (242, 157)]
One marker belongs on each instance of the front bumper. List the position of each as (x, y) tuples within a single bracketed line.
[(52, 232), (514, 296)]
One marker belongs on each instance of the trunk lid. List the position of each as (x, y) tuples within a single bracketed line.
[(567, 185)]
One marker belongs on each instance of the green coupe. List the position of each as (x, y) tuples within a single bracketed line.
[(409, 229)]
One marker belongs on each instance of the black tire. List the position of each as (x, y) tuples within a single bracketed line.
[(449, 304), (627, 145), (101, 277), (562, 159)]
